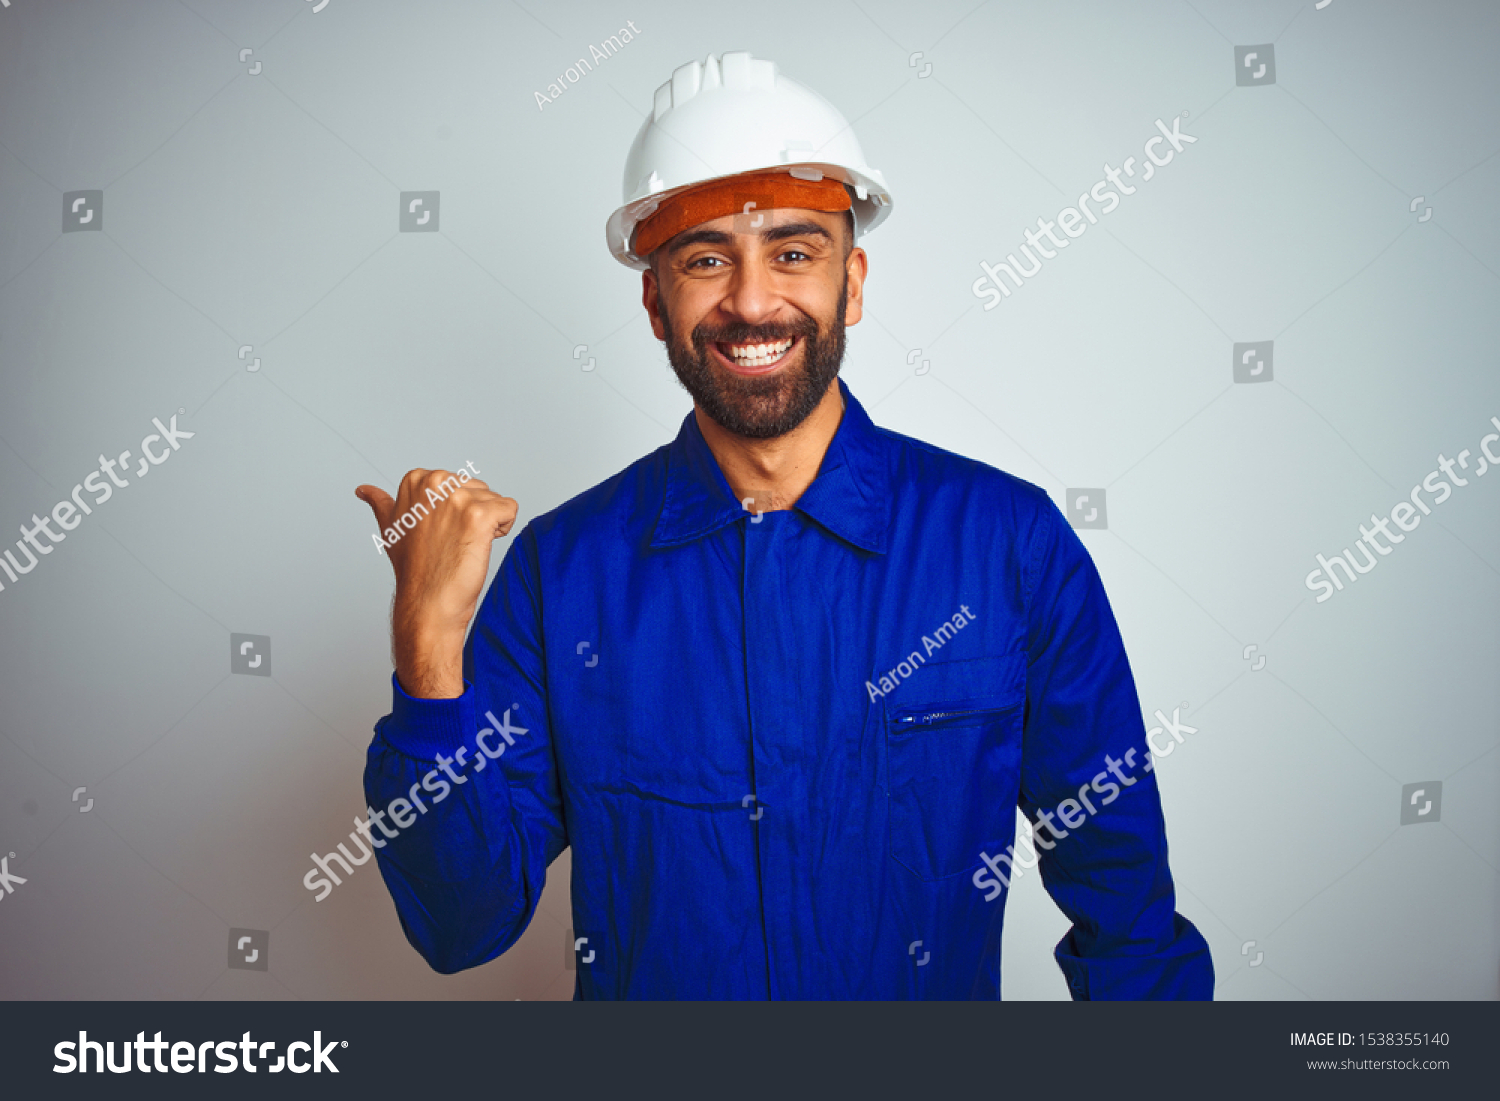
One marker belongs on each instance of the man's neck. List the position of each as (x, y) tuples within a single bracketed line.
[(774, 473)]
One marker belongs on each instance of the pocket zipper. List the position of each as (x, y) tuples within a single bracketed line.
[(937, 716)]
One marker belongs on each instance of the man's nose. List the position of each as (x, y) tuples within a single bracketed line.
[(751, 296)]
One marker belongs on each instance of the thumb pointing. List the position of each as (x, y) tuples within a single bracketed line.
[(380, 502)]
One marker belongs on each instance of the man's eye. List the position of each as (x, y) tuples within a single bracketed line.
[(704, 261), (794, 255)]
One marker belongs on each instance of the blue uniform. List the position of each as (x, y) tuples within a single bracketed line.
[(787, 749)]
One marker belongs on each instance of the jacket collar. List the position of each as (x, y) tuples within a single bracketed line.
[(850, 496)]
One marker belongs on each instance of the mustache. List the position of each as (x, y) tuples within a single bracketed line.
[(741, 333)]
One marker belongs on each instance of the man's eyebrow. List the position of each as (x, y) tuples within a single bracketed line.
[(770, 234), (795, 229), (698, 237)]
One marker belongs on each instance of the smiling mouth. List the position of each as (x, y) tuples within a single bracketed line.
[(755, 359)]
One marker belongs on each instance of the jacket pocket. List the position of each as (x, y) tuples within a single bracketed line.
[(954, 769)]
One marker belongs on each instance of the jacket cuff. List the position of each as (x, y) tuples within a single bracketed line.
[(1182, 971), (424, 729)]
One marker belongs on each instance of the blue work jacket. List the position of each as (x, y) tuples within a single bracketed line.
[(787, 749)]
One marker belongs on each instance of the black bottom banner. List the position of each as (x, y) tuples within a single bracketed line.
[(730, 1050)]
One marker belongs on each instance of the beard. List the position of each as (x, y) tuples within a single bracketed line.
[(765, 407)]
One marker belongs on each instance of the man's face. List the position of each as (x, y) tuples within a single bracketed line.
[(753, 318)]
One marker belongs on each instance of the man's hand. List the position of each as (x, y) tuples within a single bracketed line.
[(440, 565)]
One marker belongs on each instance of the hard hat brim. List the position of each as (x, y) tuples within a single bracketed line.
[(871, 205)]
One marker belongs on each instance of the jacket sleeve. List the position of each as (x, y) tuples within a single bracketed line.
[(1105, 867), (478, 779)]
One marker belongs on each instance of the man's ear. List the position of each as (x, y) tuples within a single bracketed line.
[(856, 267), (650, 298)]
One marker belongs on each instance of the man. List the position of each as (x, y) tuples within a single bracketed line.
[(781, 684)]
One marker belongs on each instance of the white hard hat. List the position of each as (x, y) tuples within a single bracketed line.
[(732, 115)]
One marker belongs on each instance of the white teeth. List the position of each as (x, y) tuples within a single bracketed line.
[(759, 355)]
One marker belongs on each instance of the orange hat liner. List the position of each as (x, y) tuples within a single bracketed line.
[(715, 199)]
